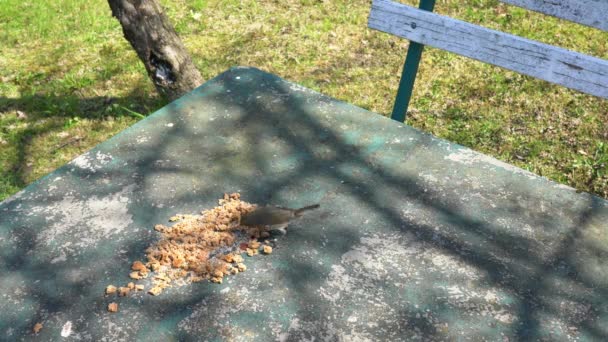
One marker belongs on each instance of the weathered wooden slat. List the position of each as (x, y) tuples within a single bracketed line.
[(557, 65), (592, 13)]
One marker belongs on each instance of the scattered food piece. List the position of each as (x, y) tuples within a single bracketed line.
[(155, 291), (237, 258), (218, 274), (37, 328), (267, 249), (254, 244), (229, 257), (131, 286), (251, 252), (113, 307), (177, 263), (139, 266), (216, 280), (135, 275), (110, 289), (123, 291), (241, 267), (175, 218), (139, 287), (162, 277)]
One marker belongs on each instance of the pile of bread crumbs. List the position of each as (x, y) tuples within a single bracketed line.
[(196, 248)]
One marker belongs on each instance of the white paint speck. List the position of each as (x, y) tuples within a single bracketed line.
[(142, 139), (67, 329), (60, 258), (429, 178), (87, 162)]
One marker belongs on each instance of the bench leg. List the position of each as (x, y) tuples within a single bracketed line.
[(410, 69)]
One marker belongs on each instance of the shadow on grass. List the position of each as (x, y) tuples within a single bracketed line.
[(46, 114)]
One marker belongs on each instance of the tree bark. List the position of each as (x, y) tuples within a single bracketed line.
[(150, 33)]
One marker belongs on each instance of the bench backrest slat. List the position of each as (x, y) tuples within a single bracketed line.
[(557, 65), (587, 12)]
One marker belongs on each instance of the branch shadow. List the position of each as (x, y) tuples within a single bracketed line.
[(243, 136), (54, 113)]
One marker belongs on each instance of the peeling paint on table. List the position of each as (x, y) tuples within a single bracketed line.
[(416, 238)]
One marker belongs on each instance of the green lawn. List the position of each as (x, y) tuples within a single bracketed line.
[(68, 80)]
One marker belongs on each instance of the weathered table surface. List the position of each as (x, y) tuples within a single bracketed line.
[(416, 236)]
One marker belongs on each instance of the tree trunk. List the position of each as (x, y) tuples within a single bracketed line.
[(148, 30)]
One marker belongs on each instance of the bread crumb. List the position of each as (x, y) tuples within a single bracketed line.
[(162, 277), (135, 275), (113, 307), (131, 286), (267, 249), (155, 291), (139, 287), (241, 267), (175, 218), (110, 289), (254, 244), (123, 291), (139, 266), (229, 257), (216, 280), (37, 328), (237, 258)]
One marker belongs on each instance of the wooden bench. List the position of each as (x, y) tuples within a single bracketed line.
[(554, 64)]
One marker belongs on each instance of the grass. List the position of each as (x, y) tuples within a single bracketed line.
[(69, 80)]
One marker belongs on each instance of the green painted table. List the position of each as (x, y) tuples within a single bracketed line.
[(416, 237)]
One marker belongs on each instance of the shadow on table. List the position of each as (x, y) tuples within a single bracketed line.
[(472, 241), (535, 295)]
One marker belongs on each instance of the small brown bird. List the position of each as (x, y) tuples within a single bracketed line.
[(273, 216)]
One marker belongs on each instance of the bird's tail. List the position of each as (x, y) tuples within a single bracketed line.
[(299, 212)]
